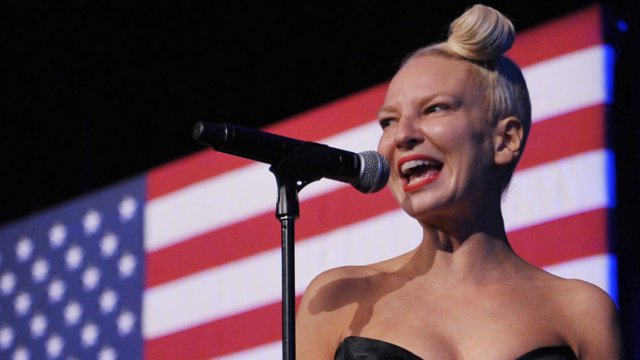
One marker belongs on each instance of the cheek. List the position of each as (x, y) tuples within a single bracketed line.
[(386, 146)]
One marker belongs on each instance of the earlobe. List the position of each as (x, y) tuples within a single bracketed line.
[(508, 140)]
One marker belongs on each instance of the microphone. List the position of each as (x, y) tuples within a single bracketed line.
[(367, 171)]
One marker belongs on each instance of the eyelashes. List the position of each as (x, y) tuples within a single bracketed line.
[(436, 108), (385, 122)]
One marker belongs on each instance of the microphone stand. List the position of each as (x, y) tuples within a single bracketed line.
[(290, 180), (302, 163)]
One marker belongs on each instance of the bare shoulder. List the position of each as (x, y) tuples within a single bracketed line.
[(336, 288), (592, 318), (584, 315), (571, 295), (327, 307), (579, 295)]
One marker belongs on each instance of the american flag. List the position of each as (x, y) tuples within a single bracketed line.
[(184, 261), (71, 279)]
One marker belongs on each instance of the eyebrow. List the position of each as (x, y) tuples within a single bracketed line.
[(425, 99), (385, 109)]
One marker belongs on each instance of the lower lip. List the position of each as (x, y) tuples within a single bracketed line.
[(424, 182)]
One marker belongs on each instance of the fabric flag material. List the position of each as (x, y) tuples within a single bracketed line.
[(184, 262)]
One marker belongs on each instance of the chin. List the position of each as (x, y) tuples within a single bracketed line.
[(420, 209)]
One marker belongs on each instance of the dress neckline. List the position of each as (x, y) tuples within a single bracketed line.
[(538, 353)]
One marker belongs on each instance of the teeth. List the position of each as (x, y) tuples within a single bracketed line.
[(406, 167), (415, 171)]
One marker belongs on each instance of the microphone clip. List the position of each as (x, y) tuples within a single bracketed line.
[(293, 172)]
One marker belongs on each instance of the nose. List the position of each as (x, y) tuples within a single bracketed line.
[(408, 134)]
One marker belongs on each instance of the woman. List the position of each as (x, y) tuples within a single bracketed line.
[(455, 121)]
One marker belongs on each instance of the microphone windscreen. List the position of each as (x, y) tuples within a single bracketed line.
[(374, 172)]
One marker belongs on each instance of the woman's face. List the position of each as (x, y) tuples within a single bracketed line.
[(437, 139)]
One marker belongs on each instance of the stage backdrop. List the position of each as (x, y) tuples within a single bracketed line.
[(184, 262)]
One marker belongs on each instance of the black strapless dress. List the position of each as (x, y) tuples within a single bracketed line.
[(359, 348)]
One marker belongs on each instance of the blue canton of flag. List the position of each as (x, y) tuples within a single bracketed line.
[(71, 279)]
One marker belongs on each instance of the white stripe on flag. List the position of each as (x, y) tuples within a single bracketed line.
[(569, 82), (561, 188), (250, 191), (595, 269), (221, 294), (210, 204), (271, 351)]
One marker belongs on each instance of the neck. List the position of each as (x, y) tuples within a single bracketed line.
[(464, 251)]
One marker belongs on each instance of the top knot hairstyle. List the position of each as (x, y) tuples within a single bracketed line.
[(481, 36)]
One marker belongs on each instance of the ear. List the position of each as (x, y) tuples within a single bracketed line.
[(508, 140)]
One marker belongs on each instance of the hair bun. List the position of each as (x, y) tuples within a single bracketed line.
[(481, 33)]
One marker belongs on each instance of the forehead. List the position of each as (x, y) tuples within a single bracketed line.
[(431, 74)]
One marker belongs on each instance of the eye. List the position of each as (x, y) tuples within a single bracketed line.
[(436, 108), (385, 122)]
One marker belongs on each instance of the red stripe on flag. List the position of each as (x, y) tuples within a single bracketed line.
[(574, 32), (563, 239), (545, 244), (262, 233), (313, 125), (232, 334), (566, 135)]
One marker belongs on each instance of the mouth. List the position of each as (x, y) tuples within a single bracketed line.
[(417, 171)]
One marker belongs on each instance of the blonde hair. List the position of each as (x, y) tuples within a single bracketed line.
[(481, 36)]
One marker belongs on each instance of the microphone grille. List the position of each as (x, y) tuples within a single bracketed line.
[(374, 172)]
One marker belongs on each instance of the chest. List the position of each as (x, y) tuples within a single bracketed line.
[(447, 325)]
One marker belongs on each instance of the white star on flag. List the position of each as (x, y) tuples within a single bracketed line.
[(40, 270), (73, 257), (21, 353), (125, 321), (6, 337), (107, 353), (127, 265), (91, 222), (72, 313), (7, 283), (89, 334), (57, 235), (108, 301), (24, 249), (38, 325), (22, 303), (127, 208), (54, 346), (108, 244), (90, 278), (56, 290)]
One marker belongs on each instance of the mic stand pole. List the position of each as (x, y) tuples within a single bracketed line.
[(287, 211)]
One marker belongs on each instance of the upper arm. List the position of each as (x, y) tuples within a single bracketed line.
[(596, 322)]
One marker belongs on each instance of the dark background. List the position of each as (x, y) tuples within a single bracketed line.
[(98, 91)]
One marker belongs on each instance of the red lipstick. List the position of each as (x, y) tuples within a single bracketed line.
[(417, 171)]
